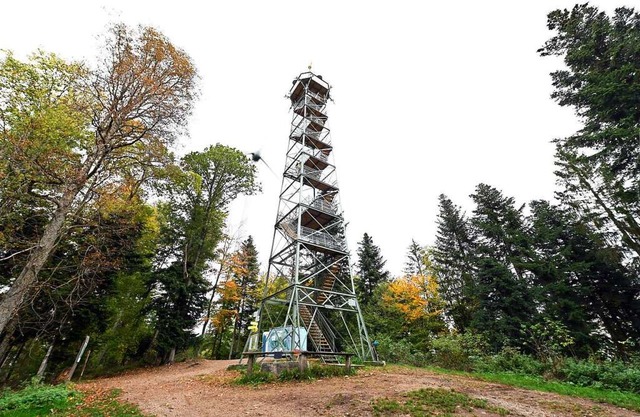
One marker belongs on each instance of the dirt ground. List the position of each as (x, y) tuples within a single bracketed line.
[(204, 388)]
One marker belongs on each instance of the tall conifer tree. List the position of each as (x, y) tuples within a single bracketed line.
[(453, 263), (371, 272)]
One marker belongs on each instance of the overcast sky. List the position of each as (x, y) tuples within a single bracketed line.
[(430, 97)]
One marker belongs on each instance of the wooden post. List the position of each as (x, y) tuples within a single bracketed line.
[(86, 359), (77, 361), (347, 364), (302, 361), (250, 361), (43, 364)]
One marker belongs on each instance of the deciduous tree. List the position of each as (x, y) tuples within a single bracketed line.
[(69, 130)]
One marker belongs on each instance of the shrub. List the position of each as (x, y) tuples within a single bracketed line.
[(258, 377), (36, 397), (510, 360), (401, 352), (609, 374), (457, 351)]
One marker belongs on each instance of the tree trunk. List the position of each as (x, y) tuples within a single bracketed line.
[(14, 362), (223, 261), (5, 345), (236, 331), (172, 355), (210, 306), (16, 295)]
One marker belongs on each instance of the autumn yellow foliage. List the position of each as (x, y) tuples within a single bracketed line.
[(415, 297)]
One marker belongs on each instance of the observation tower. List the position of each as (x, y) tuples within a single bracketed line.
[(310, 304)]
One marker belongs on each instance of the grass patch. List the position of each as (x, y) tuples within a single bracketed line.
[(258, 377), (432, 402), (36, 400), (627, 400), (63, 400), (618, 398)]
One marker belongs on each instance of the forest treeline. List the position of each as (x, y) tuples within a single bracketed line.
[(540, 287), (105, 233)]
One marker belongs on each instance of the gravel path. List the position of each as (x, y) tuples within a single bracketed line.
[(205, 388)]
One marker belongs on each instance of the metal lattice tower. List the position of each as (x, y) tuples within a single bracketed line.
[(315, 307)]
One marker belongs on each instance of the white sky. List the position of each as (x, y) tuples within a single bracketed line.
[(430, 97)]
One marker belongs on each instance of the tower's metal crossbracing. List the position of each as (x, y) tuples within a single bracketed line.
[(314, 307)]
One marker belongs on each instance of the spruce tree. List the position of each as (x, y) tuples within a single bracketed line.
[(583, 281), (505, 300), (245, 270), (453, 263), (415, 264), (370, 269), (598, 164)]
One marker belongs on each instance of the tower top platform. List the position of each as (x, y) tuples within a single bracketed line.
[(314, 83)]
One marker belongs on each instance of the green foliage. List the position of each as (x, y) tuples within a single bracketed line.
[(549, 339), (245, 270), (416, 263), (464, 353), (400, 351), (257, 377), (311, 373), (505, 301), (614, 375), (598, 394), (452, 262), (35, 399), (599, 163), (370, 270), (457, 351), (433, 402), (192, 219), (511, 360), (314, 372)]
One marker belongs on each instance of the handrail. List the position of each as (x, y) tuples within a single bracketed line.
[(322, 205), (316, 106), (316, 319), (321, 238), (313, 135), (323, 324), (310, 172), (312, 236)]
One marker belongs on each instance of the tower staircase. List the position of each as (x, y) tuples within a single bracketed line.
[(317, 337)]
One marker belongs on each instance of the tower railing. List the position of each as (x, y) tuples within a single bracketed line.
[(322, 98), (328, 333), (311, 104), (298, 132), (312, 236), (321, 204)]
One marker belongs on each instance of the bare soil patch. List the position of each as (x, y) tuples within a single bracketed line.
[(205, 388)]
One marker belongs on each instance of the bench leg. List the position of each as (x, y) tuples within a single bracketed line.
[(250, 361), (302, 362)]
